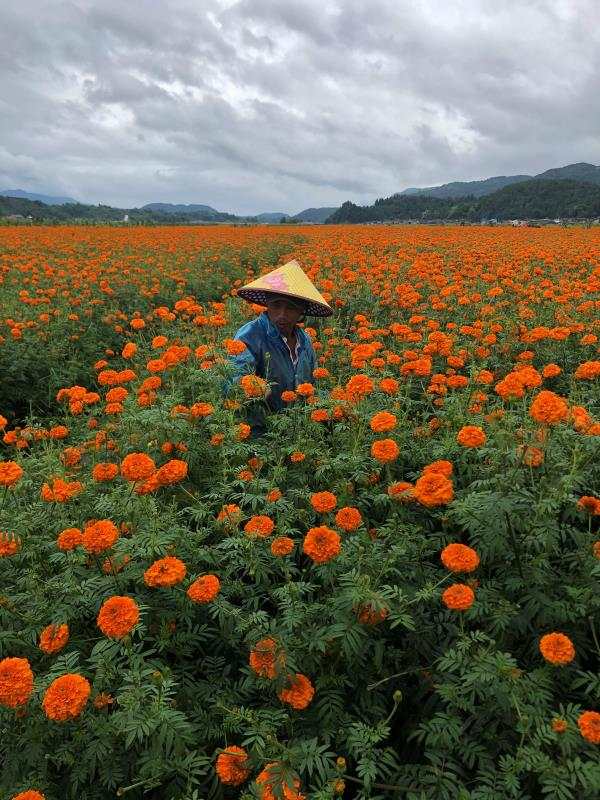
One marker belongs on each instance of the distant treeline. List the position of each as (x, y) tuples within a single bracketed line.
[(534, 199)]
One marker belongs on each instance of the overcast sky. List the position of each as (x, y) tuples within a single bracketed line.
[(278, 105)]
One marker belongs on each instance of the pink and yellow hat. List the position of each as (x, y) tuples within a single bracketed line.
[(288, 281)]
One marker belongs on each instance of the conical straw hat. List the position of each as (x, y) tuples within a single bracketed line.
[(288, 280)]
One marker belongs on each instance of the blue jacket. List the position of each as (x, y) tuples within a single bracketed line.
[(267, 355)]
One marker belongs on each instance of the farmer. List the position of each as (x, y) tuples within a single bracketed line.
[(277, 350)]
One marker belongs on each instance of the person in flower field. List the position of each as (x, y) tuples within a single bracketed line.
[(277, 351)]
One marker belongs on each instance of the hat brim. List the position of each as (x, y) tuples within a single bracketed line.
[(262, 296)]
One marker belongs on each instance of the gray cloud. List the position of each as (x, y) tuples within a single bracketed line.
[(282, 104)]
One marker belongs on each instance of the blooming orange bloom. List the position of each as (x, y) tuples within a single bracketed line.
[(358, 386), (66, 697), (433, 489), (266, 658), (548, 408), (385, 450), (165, 571), (367, 615), (321, 544), (9, 544), (198, 410), (61, 491), (389, 386), (173, 471), (117, 616), (348, 519), (137, 467), (229, 513), (471, 436), (69, 539), (100, 536), (596, 549), (232, 765), (557, 648), (102, 700), (458, 597), (589, 504), (559, 725), (282, 546), (274, 495), (588, 723), (243, 431), (323, 502), (401, 490), (253, 385), (259, 526), (297, 457), (266, 780), (305, 390), (204, 589), (105, 471), (16, 682), (29, 794), (440, 467), (459, 558), (383, 422), (299, 693), (234, 346), (53, 638), (58, 432), (10, 473)]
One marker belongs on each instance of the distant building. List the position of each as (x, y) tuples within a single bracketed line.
[(126, 218)]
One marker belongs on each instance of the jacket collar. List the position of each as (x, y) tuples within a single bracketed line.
[(273, 331)]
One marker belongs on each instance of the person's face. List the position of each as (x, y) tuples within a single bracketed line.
[(284, 313)]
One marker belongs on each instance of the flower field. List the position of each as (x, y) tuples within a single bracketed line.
[(394, 593)]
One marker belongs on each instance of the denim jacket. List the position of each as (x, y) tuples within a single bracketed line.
[(268, 356)]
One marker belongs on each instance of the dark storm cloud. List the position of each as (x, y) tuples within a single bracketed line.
[(282, 104)]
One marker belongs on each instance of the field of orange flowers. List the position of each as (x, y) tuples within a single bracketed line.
[(394, 593)]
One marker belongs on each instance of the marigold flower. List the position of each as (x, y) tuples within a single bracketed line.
[(401, 490), (459, 558), (30, 794), (348, 519), (557, 648), (172, 472), (61, 491), (199, 410), (234, 346), (69, 539), (433, 489), (266, 780), (299, 693), (266, 658), (229, 513), (458, 597), (596, 549), (165, 571), (382, 422), (323, 502), (253, 385), (305, 390), (367, 615), (282, 546), (137, 467), (105, 471), (548, 408), (16, 682), (232, 765), (321, 544), (117, 616), (588, 723), (204, 589), (259, 526), (471, 436), (358, 386), (10, 473), (297, 456), (66, 697), (589, 370), (99, 536), (385, 450), (102, 700), (58, 432), (243, 431), (274, 495), (559, 725), (589, 504), (9, 544), (53, 638)]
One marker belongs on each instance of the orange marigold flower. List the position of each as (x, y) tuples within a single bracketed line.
[(458, 597), (10, 473), (267, 780), (389, 386), (348, 519), (30, 794), (58, 432), (234, 346), (588, 723), (66, 697), (204, 589), (232, 765), (323, 501), (105, 471), (531, 456), (253, 385), (471, 436), (99, 536), (305, 390), (557, 648), (173, 471), (137, 467), (61, 491), (297, 456), (589, 504), (53, 638), (367, 615), (433, 489), (69, 539), (385, 450), (551, 371), (259, 526), (401, 490), (319, 415), (166, 571), (559, 725), (266, 658), (117, 616), (596, 549), (321, 544), (358, 386), (9, 544), (288, 396), (299, 693), (229, 513), (282, 546), (459, 558), (243, 431), (589, 370), (548, 408), (16, 682), (102, 700), (274, 495), (116, 395), (198, 410), (383, 422)]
